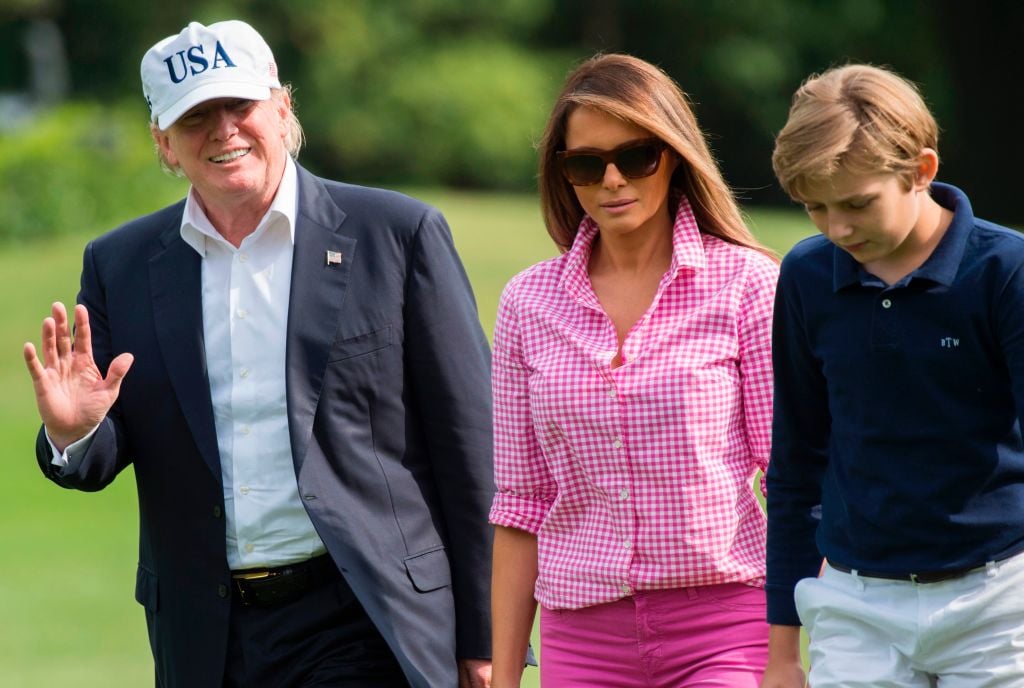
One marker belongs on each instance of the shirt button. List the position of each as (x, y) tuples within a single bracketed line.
[(217, 511), (617, 443), (244, 430), (624, 494), (243, 373), (886, 303), (611, 392), (627, 544), (249, 547), (244, 489), (242, 313), (222, 590), (243, 257), (626, 589)]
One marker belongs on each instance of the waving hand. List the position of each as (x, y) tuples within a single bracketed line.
[(71, 393)]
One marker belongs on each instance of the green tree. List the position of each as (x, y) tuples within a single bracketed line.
[(425, 92)]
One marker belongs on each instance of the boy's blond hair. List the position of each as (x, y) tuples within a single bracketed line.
[(865, 119)]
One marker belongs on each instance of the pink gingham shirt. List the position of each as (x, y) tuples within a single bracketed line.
[(639, 477)]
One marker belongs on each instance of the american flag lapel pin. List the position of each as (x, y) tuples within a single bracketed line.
[(333, 258)]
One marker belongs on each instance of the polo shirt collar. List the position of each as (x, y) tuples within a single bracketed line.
[(944, 262)]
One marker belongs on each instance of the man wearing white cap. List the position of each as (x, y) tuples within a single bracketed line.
[(295, 369)]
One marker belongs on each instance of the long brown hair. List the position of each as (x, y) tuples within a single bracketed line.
[(637, 92)]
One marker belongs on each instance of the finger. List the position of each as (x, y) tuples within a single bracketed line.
[(49, 342), (469, 677), (35, 368), (63, 330), (117, 370), (83, 333)]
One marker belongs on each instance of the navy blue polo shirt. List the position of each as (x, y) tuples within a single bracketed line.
[(896, 444)]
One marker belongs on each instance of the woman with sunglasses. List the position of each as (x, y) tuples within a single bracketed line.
[(632, 405)]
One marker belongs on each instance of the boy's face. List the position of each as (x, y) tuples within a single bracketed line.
[(873, 217)]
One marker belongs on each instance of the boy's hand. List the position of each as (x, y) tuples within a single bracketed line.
[(784, 669)]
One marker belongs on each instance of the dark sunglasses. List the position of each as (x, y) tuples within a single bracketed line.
[(634, 160)]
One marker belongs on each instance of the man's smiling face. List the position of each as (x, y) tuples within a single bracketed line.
[(230, 149)]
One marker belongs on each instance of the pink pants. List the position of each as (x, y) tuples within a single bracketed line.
[(714, 635)]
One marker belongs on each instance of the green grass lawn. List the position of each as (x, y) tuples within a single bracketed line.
[(67, 614)]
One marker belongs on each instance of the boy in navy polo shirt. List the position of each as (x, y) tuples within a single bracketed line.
[(899, 393)]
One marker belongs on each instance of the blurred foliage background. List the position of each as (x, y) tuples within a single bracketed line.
[(455, 93)]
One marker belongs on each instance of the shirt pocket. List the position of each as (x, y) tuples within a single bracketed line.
[(360, 344)]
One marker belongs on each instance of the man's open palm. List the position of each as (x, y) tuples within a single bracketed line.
[(71, 393)]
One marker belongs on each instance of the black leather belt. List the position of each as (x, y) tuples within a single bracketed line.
[(270, 586), (923, 577)]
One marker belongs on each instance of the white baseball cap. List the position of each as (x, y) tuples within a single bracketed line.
[(228, 59)]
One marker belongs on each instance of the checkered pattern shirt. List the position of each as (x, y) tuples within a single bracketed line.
[(639, 477)]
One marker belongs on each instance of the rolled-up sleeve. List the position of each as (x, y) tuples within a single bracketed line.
[(755, 346), (525, 487)]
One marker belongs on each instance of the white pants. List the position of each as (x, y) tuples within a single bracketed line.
[(967, 632)]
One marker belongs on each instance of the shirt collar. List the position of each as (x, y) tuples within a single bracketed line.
[(941, 266), (687, 251), (196, 228)]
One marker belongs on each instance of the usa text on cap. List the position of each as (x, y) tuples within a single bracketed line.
[(227, 59)]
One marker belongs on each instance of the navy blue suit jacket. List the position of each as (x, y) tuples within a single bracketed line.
[(389, 405)]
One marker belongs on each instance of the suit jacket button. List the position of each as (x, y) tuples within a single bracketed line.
[(217, 511), (222, 590)]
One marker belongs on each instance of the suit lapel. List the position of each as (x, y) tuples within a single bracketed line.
[(321, 266), (175, 278)]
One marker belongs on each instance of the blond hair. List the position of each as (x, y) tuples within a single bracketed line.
[(637, 92), (293, 140), (865, 119)]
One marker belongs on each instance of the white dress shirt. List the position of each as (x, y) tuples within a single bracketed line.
[(245, 294)]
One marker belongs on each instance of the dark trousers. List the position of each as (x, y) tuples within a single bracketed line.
[(323, 638)]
